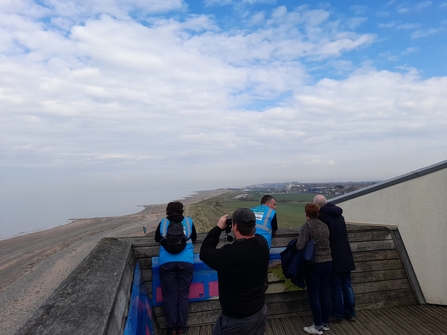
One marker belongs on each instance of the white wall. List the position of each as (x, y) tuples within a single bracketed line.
[(419, 208)]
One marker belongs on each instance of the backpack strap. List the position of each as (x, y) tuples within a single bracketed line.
[(164, 227), (188, 225)]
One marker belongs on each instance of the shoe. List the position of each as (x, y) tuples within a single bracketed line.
[(326, 328), (335, 320), (350, 319), (312, 330)]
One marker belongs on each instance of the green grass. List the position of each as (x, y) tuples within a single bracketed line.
[(289, 208)]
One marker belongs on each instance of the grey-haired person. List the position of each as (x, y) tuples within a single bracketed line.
[(342, 293)]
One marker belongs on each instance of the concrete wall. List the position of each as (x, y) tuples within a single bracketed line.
[(93, 299), (419, 208)]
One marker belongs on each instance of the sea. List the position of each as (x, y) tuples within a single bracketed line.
[(24, 213)]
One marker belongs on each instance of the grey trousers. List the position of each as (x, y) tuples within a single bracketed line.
[(252, 325)]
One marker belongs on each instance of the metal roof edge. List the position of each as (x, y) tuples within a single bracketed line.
[(390, 182)]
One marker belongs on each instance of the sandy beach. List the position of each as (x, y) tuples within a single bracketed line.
[(32, 266)]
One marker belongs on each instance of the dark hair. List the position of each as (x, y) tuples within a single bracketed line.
[(312, 210), (246, 231), (266, 198), (174, 207)]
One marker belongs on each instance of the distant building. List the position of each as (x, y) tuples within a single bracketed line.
[(241, 196)]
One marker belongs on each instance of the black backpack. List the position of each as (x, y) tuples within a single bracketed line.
[(175, 240)]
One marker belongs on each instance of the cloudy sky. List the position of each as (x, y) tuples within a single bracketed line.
[(219, 93)]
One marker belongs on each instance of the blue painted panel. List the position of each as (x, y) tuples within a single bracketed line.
[(204, 283), (139, 319), (203, 286)]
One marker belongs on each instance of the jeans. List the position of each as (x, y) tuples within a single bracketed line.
[(343, 301), (251, 325), (317, 282), (175, 279)]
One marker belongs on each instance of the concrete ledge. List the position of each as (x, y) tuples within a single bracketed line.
[(94, 298)]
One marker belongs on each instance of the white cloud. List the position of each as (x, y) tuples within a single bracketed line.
[(143, 96), (387, 25), (411, 50), (258, 18), (236, 2), (320, 162), (426, 32), (423, 5), (355, 22), (405, 8), (358, 10), (407, 26)]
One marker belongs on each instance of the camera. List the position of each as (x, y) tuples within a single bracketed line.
[(229, 223)]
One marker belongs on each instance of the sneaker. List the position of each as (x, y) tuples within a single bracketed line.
[(326, 328), (350, 318), (312, 330)]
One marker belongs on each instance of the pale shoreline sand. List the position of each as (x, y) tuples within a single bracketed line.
[(32, 266)]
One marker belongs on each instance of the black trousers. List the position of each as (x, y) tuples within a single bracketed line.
[(176, 278)]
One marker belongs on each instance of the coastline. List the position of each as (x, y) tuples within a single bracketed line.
[(33, 265)]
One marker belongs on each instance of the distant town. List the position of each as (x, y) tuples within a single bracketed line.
[(332, 188)]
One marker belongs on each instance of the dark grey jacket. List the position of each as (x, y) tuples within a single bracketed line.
[(342, 259)]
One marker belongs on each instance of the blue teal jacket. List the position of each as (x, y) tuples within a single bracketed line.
[(187, 255), (264, 216)]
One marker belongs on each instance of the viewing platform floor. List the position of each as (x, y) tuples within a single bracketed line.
[(407, 320)]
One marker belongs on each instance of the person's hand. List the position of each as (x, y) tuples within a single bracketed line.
[(222, 224)]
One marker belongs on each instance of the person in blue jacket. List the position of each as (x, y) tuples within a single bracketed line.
[(176, 270), (266, 222)]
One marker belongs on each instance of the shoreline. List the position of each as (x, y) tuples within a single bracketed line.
[(33, 265), (195, 197)]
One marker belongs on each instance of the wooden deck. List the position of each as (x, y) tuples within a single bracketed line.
[(417, 320), (387, 293)]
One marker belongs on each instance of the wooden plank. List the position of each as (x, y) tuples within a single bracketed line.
[(375, 300), (360, 256), (378, 265), (281, 241), (374, 245), (286, 296), (275, 325), (200, 306), (371, 276), (147, 251), (145, 263), (381, 286), (288, 307), (358, 236), (147, 275), (369, 236), (205, 317)]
